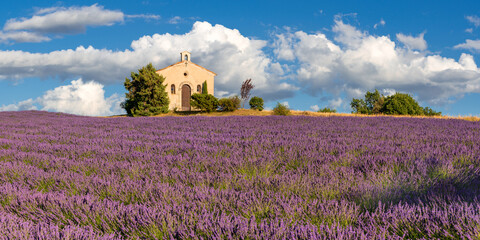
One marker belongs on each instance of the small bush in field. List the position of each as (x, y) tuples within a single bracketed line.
[(229, 104), (327, 110), (281, 109)]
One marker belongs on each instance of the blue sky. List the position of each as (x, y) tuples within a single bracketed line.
[(73, 56)]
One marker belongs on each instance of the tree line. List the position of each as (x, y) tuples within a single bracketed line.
[(396, 104)]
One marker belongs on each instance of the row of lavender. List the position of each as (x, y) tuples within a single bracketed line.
[(70, 177)]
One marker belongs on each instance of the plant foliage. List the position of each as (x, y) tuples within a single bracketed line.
[(401, 104), (247, 86), (146, 93), (204, 102), (204, 88), (229, 104), (327, 110), (281, 109), (398, 104), (256, 103), (258, 177)]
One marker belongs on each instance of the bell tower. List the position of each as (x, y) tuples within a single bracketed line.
[(185, 56)]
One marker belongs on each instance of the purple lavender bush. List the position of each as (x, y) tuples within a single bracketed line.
[(296, 177)]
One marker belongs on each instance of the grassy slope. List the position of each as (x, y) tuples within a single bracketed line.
[(249, 112)]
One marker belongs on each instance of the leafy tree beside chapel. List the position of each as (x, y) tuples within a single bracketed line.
[(146, 93)]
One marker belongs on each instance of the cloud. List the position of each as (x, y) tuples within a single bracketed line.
[(65, 20), (145, 16), (79, 98), (225, 51), (469, 30), (22, 36), (76, 98), (21, 106), (388, 92), (356, 62), (475, 20), (335, 103), (175, 20), (285, 103), (413, 42), (381, 23), (470, 45), (315, 108)]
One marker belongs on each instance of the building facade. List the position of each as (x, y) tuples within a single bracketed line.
[(185, 78)]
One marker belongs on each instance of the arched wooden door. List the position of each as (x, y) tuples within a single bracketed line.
[(186, 93)]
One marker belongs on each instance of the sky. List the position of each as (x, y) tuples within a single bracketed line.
[(74, 56)]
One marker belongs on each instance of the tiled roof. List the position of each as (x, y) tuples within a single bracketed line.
[(183, 62)]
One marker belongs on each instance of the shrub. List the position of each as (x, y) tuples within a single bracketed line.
[(327, 110), (204, 102), (281, 109), (229, 104), (401, 104), (256, 103)]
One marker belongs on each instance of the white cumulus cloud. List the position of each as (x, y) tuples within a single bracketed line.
[(470, 45), (335, 103), (225, 51), (315, 108), (355, 62), (81, 98), (413, 42), (28, 104)]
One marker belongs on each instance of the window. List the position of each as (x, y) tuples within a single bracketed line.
[(186, 57), (199, 88), (172, 89)]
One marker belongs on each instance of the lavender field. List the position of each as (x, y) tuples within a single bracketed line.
[(298, 177)]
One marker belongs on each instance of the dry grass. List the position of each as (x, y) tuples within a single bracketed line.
[(249, 112)]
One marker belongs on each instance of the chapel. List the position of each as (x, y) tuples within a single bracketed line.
[(185, 78)]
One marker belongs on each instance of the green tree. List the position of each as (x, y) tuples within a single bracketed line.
[(146, 93), (204, 102), (359, 106), (430, 112), (374, 102), (204, 88), (256, 103), (401, 104), (371, 105)]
